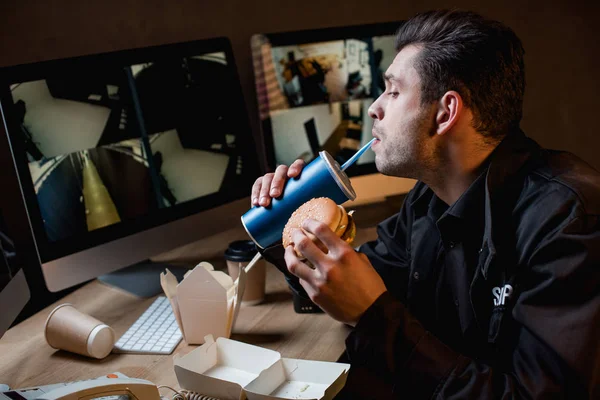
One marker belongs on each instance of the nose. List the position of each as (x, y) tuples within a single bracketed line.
[(375, 111)]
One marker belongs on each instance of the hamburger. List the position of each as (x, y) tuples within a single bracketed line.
[(325, 210)]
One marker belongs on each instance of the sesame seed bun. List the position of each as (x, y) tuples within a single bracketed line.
[(325, 210)]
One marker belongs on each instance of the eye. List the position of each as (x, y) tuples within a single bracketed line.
[(393, 94)]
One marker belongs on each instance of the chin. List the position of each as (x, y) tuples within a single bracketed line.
[(382, 167), (399, 171)]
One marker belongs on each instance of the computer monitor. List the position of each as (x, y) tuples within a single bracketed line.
[(124, 155), (314, 89), (14, 291)]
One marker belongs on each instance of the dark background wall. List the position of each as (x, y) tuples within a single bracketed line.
[(560, 38)]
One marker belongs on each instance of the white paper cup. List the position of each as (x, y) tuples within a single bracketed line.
[(69, 329)]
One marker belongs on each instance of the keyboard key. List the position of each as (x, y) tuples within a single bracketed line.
[(155, 331)]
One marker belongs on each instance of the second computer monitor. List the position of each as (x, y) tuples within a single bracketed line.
[(14, 291), (315, 87)]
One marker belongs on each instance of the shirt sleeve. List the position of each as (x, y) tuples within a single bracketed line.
[(556, 351)]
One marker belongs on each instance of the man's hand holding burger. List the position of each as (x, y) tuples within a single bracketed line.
[(343, 282), (340, 280)]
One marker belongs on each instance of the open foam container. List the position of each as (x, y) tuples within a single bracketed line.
[(230, 370)]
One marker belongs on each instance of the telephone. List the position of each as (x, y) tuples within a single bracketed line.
[(115, 386)]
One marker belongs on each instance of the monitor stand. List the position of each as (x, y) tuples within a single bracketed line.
[(142, 279)]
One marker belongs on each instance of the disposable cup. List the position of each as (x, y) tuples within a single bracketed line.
[(237, 256), (323, 177), (69, 329)]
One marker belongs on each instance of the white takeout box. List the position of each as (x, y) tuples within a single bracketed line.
[(232, 370), (205, 302)]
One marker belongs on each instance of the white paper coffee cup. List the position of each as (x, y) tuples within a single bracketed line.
[(69, 329)]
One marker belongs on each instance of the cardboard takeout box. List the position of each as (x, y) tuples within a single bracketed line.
[(230, 370), (205, 302)]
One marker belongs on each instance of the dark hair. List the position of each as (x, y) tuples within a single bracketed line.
[(479, 58)]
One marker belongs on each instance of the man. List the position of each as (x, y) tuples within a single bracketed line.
[(486, 284)]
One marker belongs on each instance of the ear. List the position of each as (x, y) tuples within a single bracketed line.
[(450, 110)]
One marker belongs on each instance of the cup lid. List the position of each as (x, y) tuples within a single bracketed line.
[(240, 250), (340, 176)]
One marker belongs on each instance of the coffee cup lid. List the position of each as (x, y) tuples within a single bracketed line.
[(240, 250)]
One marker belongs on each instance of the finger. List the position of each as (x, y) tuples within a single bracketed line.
[(295, 169), (364, 257), (256, 191), (297, 267), (310, 291), (265, 199), (323, 233), (278, 180), (305, 245)]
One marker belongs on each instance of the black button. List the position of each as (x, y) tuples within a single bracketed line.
[(456, 302), (416, 276), (451, 244)]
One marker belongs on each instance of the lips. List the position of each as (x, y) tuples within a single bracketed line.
[(375, 131), (376, 136)]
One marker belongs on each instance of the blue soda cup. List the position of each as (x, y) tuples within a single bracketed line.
[(323, 177)]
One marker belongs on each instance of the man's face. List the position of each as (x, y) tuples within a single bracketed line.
[(402, 126)]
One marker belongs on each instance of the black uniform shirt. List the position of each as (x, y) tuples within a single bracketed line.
[(458, 231), (494, 297)]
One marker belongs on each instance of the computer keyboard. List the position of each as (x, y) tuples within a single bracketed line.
[(155, 331)]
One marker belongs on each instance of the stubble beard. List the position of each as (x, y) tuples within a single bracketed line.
[(407, 156)]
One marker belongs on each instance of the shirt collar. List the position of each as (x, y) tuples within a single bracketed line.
[(428, 202), (507, 158), (421, 203), (471, 200)]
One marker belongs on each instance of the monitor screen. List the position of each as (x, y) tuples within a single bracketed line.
[(314, 89), (112, 144)]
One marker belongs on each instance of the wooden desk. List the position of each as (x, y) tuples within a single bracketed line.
[(27, 360)]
